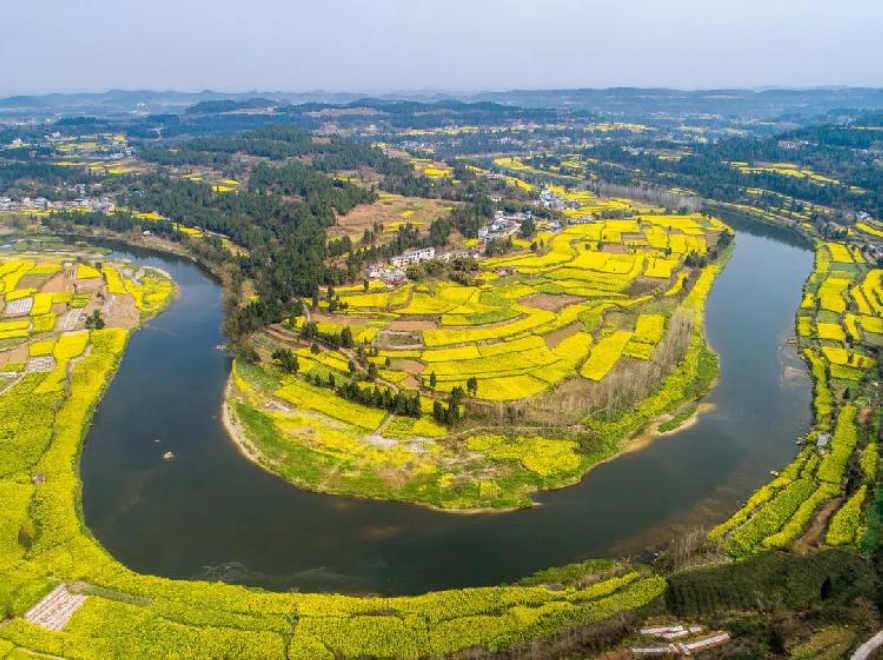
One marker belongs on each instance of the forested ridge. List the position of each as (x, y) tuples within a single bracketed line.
[(292, 195), (837, 151)]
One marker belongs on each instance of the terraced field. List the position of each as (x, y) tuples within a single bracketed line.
[(839, 327), (41, 298), (533, 352)]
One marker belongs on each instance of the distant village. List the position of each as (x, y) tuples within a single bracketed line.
[(41, 204), (502, 226), (505, 225)]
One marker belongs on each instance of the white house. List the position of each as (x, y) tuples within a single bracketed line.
[(413, 256)]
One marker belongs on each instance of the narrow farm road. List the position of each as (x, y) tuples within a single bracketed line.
[(864, 651)]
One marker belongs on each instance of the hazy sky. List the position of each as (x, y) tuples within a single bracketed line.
[(387, 45)]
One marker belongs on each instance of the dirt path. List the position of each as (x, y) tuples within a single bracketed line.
[(8, 381), (820, 522)]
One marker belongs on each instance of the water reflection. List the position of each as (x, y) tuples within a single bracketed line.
[(210, 513)]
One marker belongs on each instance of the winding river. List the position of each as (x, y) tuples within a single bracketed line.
[(211, 514)]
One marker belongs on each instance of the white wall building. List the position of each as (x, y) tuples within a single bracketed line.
[(413, 256)]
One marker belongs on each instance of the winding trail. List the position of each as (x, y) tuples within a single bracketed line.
[(865, 651)]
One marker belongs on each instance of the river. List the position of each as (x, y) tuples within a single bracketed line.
[(211, 514)]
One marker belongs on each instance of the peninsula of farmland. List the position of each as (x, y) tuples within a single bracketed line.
[(474, 386)]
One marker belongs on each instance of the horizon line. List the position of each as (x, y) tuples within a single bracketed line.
[(443, 91)]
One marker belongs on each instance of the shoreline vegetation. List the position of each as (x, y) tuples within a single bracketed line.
[(692, 379), (487, 461), (837, 327), (250, 452), (44, 542), (685, 417)]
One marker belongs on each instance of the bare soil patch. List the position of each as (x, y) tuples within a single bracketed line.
[(555, 337), (411, 326), (90, 285), (643, 285), (56, 284), (19, 353), (388, 211), (616, 248), (281, 336), (35, 281), (410, 366), (121, 312), (322, 317), (711, 237), (400, 340), (813, 535), (549, 301)]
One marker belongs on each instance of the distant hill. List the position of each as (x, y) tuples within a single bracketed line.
[(624, 101), (230, 105), (743, 102), (146, 101)]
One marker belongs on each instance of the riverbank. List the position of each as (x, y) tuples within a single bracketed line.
[(120, 610), (496, 487), (251, 452), (303, 429), (836, 339), (499, 488), (175, 368), (654, 432)]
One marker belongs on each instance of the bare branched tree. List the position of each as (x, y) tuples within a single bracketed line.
[(648, 194)]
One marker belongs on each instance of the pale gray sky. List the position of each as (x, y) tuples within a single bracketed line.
[(387, 45)]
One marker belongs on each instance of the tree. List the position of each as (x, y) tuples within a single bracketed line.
[(291, 363), (310, 330), (372, 371), (249, 354), (527, 228), (346, 337), (95, 322), (472, 386), (433, 380), (287, 360), (454, 400)]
